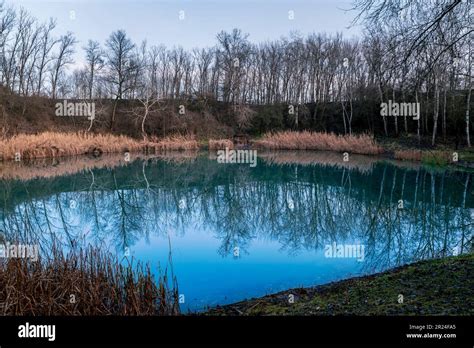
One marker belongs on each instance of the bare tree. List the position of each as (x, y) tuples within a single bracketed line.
[(119, 54), (233, 50), (95, 63), (47, 43), (469, 91), (62, 59)]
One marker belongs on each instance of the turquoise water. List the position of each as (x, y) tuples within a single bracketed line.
[(238, 232)]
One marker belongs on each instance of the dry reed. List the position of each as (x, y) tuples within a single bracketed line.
[(220, 144), (55, 144), (174, 143), (362, 144), (100, 285)]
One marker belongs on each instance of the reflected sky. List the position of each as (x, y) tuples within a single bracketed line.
[(238, 232)]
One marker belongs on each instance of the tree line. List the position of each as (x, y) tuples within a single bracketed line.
[(410, 51)]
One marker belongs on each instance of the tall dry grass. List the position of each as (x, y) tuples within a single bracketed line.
[(362, 144), (56, 144), (100, 285), (174, 143), (220, 144), (431, 157)]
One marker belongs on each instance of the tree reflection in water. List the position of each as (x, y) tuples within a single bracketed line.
[(400, 214)]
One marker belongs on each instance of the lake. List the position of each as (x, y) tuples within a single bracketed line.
[(234, 231)]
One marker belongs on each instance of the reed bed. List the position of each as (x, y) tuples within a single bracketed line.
[(98, 283), (220, 144), (436, 157), (56, 144), (362, 144), (174, 143)]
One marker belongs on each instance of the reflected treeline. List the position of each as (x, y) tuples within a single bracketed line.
[(399, 214)]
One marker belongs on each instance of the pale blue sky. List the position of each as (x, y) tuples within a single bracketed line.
[(158, 21)]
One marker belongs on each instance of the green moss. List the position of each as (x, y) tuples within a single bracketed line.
[(438, 158), (467, 156), (434, 287)]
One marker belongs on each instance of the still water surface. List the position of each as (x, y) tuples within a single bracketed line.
[(238, 232)]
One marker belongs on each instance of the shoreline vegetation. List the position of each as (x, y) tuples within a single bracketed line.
[(104, 287), (62, 144), (67, 144), (401, 90), (56, 167), (430, 287), (83, 282), (363, 144)]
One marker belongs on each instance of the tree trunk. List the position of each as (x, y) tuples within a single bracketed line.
[(419, 117), (396, 117), (468, 104), (384, 118), (112, 116), (444, 114), (436, 113)]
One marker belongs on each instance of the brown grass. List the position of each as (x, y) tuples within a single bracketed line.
[(56, 144), (290, 140), (100, 286), (174, 143), (408, 155), (430, 157), (52, 144), (220, 144)]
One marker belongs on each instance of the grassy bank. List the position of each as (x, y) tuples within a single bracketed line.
[(86, 282), (59, 144), (435, 158), (220, 144), (434, 287), (408, 148), (66, 144), (289, 140)]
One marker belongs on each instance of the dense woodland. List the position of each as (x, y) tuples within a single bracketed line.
[(410, 51)]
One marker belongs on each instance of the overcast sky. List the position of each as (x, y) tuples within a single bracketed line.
[(158, 21)]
